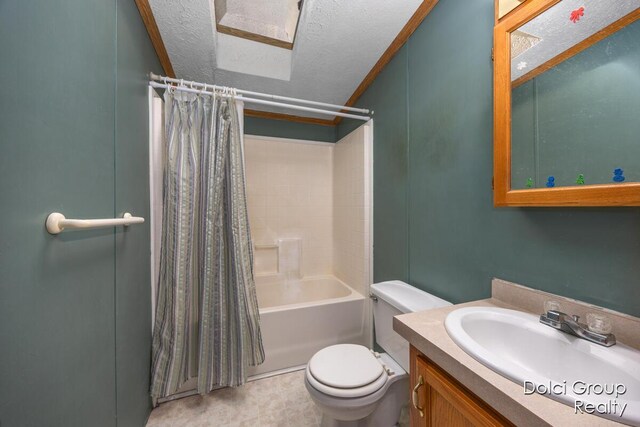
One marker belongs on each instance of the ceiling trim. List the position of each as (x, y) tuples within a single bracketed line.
[(287, 117), (253, 37), (154, 34), (577, 48), (402, 37)]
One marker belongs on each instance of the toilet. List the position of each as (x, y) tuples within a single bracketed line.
[(357, 387)]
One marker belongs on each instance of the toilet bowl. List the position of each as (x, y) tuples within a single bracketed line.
[(354, 386), (348, 382)]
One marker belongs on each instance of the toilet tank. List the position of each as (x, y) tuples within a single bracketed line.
[(396, 297)]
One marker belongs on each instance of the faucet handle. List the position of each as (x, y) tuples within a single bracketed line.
[(599, 323), (552, 305)]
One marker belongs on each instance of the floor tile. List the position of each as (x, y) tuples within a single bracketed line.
[(277, 401)]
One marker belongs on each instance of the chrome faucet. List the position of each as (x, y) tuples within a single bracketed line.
[(571, 325)]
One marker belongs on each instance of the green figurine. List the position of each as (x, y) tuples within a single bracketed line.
[(529, 182), (580, 179)]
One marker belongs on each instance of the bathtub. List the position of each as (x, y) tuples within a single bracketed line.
[(300, 317)]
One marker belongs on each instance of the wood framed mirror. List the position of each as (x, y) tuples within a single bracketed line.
[(567, 104)]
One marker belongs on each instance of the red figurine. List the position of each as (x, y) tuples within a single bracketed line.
[(576, 15)]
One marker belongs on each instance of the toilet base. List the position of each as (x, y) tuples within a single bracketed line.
[(387, 412)]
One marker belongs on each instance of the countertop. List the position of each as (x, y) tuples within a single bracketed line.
[(425, 330)]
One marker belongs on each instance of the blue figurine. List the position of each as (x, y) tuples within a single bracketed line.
[(551, 182), (618, 175)]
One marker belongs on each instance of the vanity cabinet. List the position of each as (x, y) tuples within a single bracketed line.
[(438, 400)]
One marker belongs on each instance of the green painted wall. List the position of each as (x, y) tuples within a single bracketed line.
[(456, 241), (387, 96), (292, 130), (57, 364), (135, 58), (581, 116), (74, 308)]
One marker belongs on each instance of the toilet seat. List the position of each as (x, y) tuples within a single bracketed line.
[(346, 370)]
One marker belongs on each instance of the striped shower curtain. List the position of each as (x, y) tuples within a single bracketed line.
[(207, 323)]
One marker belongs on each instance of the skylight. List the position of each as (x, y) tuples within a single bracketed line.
[(272, 22), (521, 42)]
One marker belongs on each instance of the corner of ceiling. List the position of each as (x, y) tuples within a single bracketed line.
[(188, 44)]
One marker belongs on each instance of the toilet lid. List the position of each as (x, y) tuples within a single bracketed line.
[(345, 366)]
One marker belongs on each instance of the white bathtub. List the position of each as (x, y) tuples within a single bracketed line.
[(301, 317)]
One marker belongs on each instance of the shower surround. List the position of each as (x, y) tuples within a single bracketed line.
[(318, 195)]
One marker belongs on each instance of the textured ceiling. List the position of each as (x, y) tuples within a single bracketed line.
[(558, 33), (337, 43)]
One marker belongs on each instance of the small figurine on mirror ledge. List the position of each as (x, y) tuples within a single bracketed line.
[(529, 183), (618, 175), (551, 182), (580, 179)]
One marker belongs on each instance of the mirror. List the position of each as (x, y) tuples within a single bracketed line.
[(506, 6), (572, 72)]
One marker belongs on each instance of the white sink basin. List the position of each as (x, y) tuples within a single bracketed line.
[(517, 346)]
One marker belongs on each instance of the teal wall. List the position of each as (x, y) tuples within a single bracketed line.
[(55, 324), (387, 96), (135, 57), (581, 116), (286, 129), (434, 220), (74, 308)]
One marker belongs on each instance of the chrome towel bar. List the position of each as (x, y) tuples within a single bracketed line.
[(56, 222)]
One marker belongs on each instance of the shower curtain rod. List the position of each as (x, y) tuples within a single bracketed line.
[(258, 94), (181, 85)]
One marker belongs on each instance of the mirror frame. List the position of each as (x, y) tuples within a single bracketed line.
[(623, 194)]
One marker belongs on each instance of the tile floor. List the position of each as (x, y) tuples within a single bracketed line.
[(279, 401)]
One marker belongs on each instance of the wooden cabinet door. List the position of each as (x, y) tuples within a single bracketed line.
[(438, 400)]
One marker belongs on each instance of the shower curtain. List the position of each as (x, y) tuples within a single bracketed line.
[(207, 322)]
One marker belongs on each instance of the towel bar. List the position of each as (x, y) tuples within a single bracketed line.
[(56, 222)]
